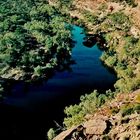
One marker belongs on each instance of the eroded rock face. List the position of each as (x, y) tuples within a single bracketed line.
[(91, 129), (65, 134), (95, 127), (109, 126), (100, 128)]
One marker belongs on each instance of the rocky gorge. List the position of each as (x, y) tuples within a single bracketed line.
[(118, 118)]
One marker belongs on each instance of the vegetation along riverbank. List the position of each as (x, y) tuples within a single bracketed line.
[(118, 22), (35, 41)]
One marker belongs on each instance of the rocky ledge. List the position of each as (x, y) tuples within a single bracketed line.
[(116, 127), (118, 119)]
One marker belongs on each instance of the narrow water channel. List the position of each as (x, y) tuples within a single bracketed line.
[(27, 115)]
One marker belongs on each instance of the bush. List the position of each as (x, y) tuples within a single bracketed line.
[(88, 105), (91, 17), (127, 111), (130, 108), (111, 61), (120, 20), (38, 70), (137, 108), (103, 7), (129, 2), (138, 98), (51, 134)]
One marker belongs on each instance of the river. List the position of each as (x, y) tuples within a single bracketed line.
[(27, 115)]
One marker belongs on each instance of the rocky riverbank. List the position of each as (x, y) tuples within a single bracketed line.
[(119, 23), (117, 119)]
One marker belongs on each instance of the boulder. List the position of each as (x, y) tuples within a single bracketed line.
[(90, 41), (65, 134), (95, 127)]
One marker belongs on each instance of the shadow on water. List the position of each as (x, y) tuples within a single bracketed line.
[(27, 113)]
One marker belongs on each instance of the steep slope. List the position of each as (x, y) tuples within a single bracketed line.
[(119, 23), (116, 119)]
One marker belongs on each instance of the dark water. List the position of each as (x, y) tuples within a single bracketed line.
[(27, 115)]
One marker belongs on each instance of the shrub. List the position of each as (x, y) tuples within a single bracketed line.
[(91, 17), (129, 2), (51, 134), (111, 61), (38, 70), (138, 98), (137, 108), (89, 104), (127, 111), (120, 20), (103, 7), (130, 108)]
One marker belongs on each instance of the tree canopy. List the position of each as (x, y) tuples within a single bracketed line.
[(33, 36)]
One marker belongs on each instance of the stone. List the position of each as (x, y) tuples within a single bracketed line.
[(65, 134), (95, 127), (95, 137)]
